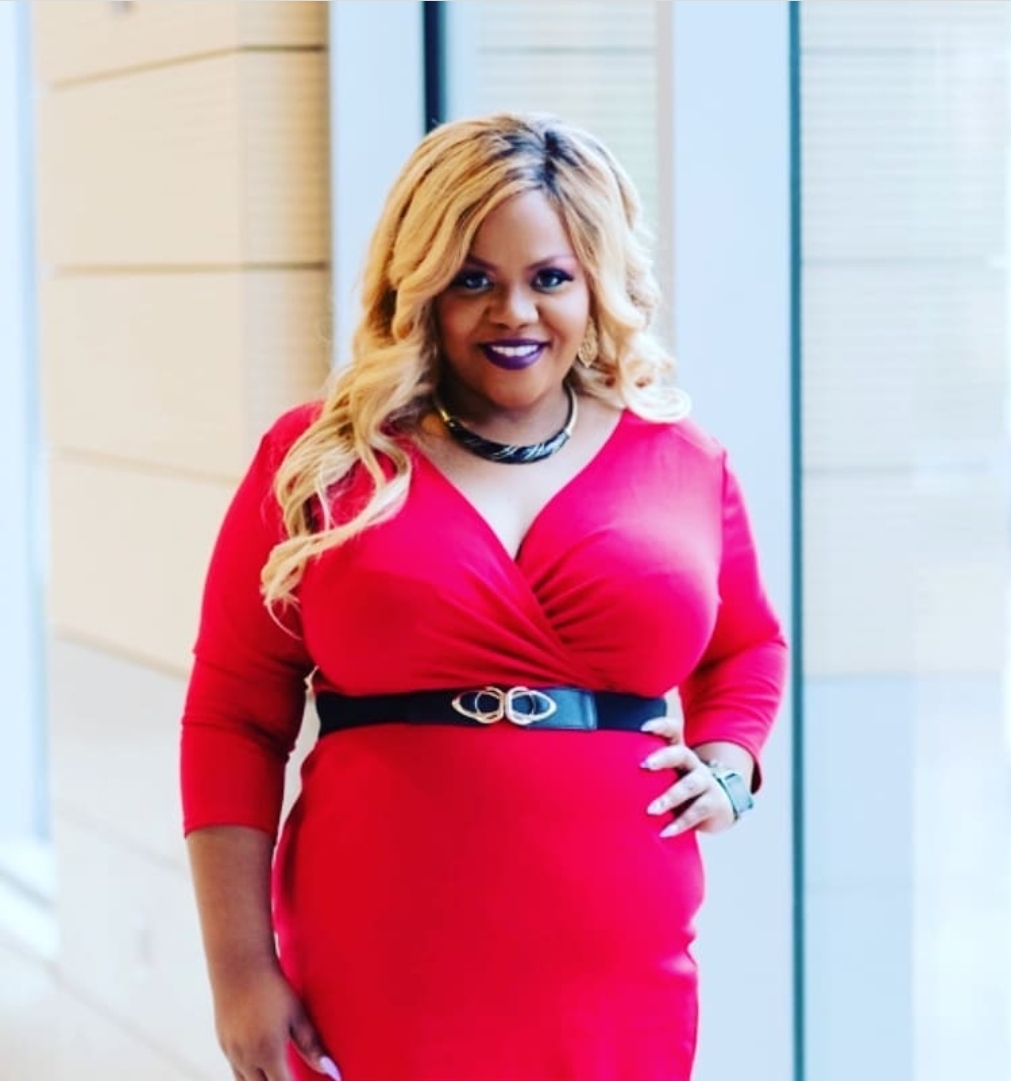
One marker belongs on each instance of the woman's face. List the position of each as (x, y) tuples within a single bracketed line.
[(511, 320)]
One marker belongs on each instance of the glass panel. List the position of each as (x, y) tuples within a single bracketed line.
[(906, 306), (592, 63)]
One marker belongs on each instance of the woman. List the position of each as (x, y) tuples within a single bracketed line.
[(490, 553)]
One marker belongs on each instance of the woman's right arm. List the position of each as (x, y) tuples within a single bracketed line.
[(244, 706), (230, 867), (256, 1012)]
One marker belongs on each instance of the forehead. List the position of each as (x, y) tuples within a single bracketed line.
[(526, 223)]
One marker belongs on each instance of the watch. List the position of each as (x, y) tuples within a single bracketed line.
[(735, 786)]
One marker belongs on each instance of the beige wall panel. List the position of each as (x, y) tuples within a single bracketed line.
[(155, 160), (287, 346), (109, 752), (179, 370), (283, 22), (146, 367), (286, 158), (82, 39), (217, 162), (129, 553), (129, 940)]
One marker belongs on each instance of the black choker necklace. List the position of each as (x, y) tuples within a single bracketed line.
[(508, 452)]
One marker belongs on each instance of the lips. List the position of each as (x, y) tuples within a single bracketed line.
[(514, 354)]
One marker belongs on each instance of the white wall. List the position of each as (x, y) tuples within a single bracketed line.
[(375, 86), (22, 789), (731, 313)]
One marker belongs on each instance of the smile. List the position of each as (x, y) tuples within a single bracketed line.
[(513, 355)]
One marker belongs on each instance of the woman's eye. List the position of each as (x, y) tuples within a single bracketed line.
[(470, 281), (551, 278)]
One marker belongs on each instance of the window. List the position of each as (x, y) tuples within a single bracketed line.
[(906, 305)]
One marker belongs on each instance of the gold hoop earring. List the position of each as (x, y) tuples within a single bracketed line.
[(589, 348)]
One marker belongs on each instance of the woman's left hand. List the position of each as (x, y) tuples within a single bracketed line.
[(696, 798)]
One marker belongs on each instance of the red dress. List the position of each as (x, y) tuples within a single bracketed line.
[(457, 903)]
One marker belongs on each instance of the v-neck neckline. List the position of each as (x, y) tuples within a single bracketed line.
[(516, 559)]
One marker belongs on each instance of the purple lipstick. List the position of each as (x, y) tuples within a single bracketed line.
[(514, 354)]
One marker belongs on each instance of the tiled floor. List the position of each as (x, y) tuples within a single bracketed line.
[(49, 1034)]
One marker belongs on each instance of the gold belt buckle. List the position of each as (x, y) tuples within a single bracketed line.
[(505, 700)]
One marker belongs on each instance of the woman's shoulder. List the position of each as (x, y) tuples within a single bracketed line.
[(290, 424), (278, 438), (684, 437)]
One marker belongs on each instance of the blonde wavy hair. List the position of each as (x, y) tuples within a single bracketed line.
[(456, 177)]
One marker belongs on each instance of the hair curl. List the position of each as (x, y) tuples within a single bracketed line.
[(456, 177)]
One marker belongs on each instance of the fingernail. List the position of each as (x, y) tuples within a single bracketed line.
[(651, 726), (657, 807), (649, 763), (329, 1067), (671, 830)]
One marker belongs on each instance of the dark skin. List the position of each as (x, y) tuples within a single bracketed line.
[(256, 1011)]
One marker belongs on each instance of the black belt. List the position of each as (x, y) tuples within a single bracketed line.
[(547, 707)]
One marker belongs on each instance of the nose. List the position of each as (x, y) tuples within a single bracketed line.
[(513, 307)]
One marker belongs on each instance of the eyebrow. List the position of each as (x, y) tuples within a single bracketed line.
[(562, 257)]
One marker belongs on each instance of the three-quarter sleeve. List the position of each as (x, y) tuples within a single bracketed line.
[(246, 693), (735, 691)]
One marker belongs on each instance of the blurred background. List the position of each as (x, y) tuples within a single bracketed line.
[(186, 189)]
